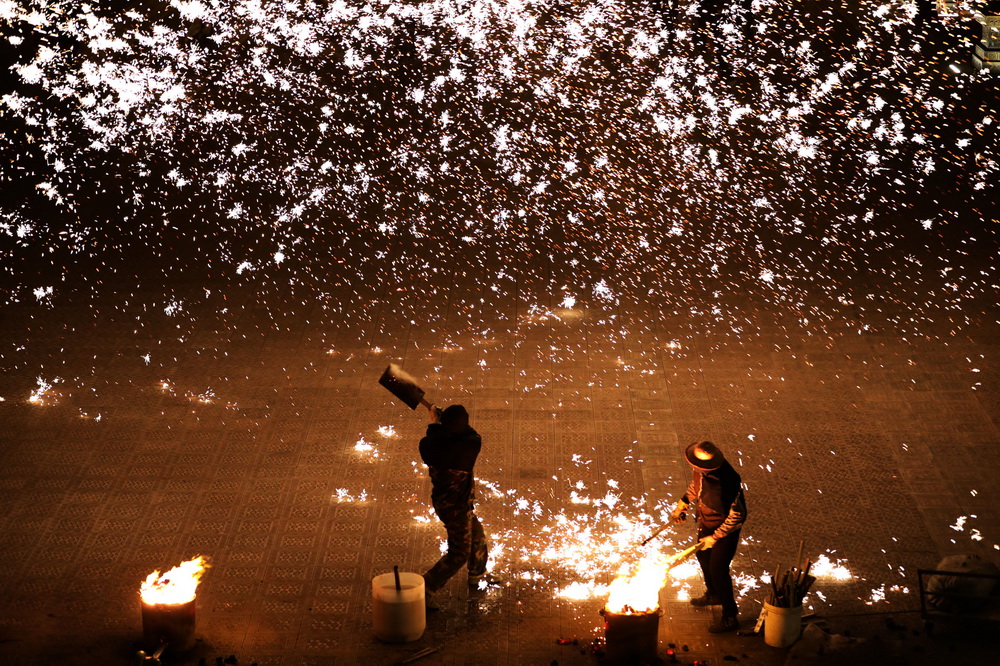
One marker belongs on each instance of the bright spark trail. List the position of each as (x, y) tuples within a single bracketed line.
[(831, 164)]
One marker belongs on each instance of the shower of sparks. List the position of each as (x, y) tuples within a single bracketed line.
[(204, 398), (742, 582), (880, 593), (824, 567), (366, 448), (585, 542), (344, 495), (962, 525), (632, 156), (44, 393), (362, 124)]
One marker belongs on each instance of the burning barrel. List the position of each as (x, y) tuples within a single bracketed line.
[(631, 638), (632, 612), (172, 624), (632, 615), (168, 606)]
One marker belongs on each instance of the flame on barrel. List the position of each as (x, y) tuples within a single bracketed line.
[(176, 586), (638, 591), (632, 613)]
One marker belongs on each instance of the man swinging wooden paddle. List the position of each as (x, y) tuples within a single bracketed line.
[(449, 450)]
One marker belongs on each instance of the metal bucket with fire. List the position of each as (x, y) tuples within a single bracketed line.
[(632, 613), (631, 638), (168, 624), (168, 607)]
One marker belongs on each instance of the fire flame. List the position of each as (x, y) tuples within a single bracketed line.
[(639, 592), (176, 586)]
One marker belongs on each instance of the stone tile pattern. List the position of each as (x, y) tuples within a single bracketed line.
[(865, 444)]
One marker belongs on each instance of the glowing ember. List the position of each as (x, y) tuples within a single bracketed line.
[(365, 447), (824, 568), (176, 586), (44, 394), (344, 495)]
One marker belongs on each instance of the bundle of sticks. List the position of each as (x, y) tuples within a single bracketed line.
[(793, 586)]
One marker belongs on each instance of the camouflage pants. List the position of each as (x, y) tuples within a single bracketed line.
[(466, 545)]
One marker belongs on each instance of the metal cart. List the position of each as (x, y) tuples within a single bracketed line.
[(983, 608)]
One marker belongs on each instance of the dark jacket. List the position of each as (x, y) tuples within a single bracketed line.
[(451, 461), (718, 500)]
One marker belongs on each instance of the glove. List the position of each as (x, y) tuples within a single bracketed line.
[(679, 515)]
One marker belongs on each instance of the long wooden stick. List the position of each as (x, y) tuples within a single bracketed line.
[(683, 555), (655, 534)]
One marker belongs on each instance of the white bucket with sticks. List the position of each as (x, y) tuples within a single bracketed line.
[(782, 626), (400, 615), (782, 612)]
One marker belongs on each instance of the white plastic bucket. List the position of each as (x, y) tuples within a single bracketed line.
[(399, 615), (782, 626)]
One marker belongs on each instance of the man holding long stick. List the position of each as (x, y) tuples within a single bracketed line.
[(716, 491), (450, 450)]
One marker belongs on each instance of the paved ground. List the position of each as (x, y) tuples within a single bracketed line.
[(181, 390), (865, 446)]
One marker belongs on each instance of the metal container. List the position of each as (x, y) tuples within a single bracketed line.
[(173, 624), (631, 638)]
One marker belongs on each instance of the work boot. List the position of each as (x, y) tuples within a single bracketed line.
[(705, 600), (430, 604), (727, 623)]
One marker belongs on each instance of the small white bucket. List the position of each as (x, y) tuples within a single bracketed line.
[(399, 615), (782, 626)]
